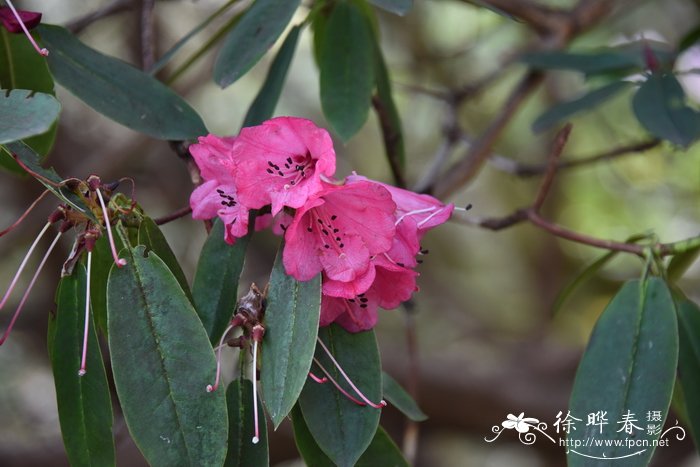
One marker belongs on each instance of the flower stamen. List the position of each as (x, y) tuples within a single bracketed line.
[(381, 404), (22, 265), (117, 260), (83, 358), (254, 371), (29, 289), (29, 209), (317, 379), (212, 388), (335, 383), (39, 50)]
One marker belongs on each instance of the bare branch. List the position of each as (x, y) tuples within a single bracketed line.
[(528, 170), (557, 148), (116, 6), (148, 46)]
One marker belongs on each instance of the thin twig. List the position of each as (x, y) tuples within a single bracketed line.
[(554, 155), (532, 215), (148, 46), (116, 6), (529, 170), (411, 432), (540, 18), (182, 212), (472, 161)]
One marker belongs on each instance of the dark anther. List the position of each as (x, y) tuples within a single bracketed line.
[(320, 221), (468, 207), (325, 232), (334, 217), (400, 264), (283, 227), (336, 230), (270, 164), (289, 160), (270, 171), (341, 245), (309, 229), (364, 305), (419, 261), (326, 246), (351, 300)]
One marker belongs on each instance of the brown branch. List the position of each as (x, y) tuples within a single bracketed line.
[(554, 155), (116, 6), (580, 18), (148, 52), (530, 170), (472, 161), (540, 18), (182, 212)]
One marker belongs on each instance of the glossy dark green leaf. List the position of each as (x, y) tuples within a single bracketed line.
[(595, 62), (347, 69), (167, 56), (680, 263), (118, 90), (254, 34), (265, 102), (102, 262), (382, 451), (398, 7), (26, 114), (241, 428), (628, 368), (151, 236), (84, 405), (660, 106), (291, 327), (588, 101), (215, 286), (689, 362), (402, 400), (162, 362), (306, 444), (612, 61), (342, 428), (48, 177), (22, 68)]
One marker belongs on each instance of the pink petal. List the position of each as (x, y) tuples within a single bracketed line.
[(350, 289), (213, 155), (31, 19)]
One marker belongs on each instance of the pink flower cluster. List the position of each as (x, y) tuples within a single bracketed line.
[(363, 236)]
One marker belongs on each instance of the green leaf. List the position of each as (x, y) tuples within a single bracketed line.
[(291, 327), (118, 90), (588, 101), (398, 7), (347, 69), (389, 118), (590, 271), (680, 263), (264, 104), (616, 61), (162, 362), (342, 428), (215, 284), (84, 405), (254, 34), (399, 398), (306, 444), (660, 106), (629, 367), (241, 450), (151, 236), (167, 56), (22, 68), (381, 451), (26, 114), (48, 177), (689, 362)]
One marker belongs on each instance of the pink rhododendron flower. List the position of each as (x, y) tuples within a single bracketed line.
[(392, 286), (281, 162), (218, 196), (338, 232)]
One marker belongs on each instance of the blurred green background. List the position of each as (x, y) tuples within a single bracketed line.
[(489, 344)]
